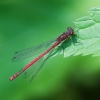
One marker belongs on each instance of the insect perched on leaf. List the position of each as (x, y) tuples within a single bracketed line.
[(38, 62)]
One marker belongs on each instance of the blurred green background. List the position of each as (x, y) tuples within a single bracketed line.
[(26, 23)]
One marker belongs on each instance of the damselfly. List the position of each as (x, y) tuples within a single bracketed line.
[(34, 65)]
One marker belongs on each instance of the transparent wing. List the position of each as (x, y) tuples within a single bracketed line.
[(20, 55), (33, 68), (36, 67)]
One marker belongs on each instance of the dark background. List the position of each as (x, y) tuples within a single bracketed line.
[(26, 23)]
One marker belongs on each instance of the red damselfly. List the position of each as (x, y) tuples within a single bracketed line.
[(35, 66)]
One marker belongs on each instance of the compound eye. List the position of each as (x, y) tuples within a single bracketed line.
[(69, 28)]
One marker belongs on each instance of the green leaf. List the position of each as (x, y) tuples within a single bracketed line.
[(88, 36)]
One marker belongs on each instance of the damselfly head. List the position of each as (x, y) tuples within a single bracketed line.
[(70, 30)]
